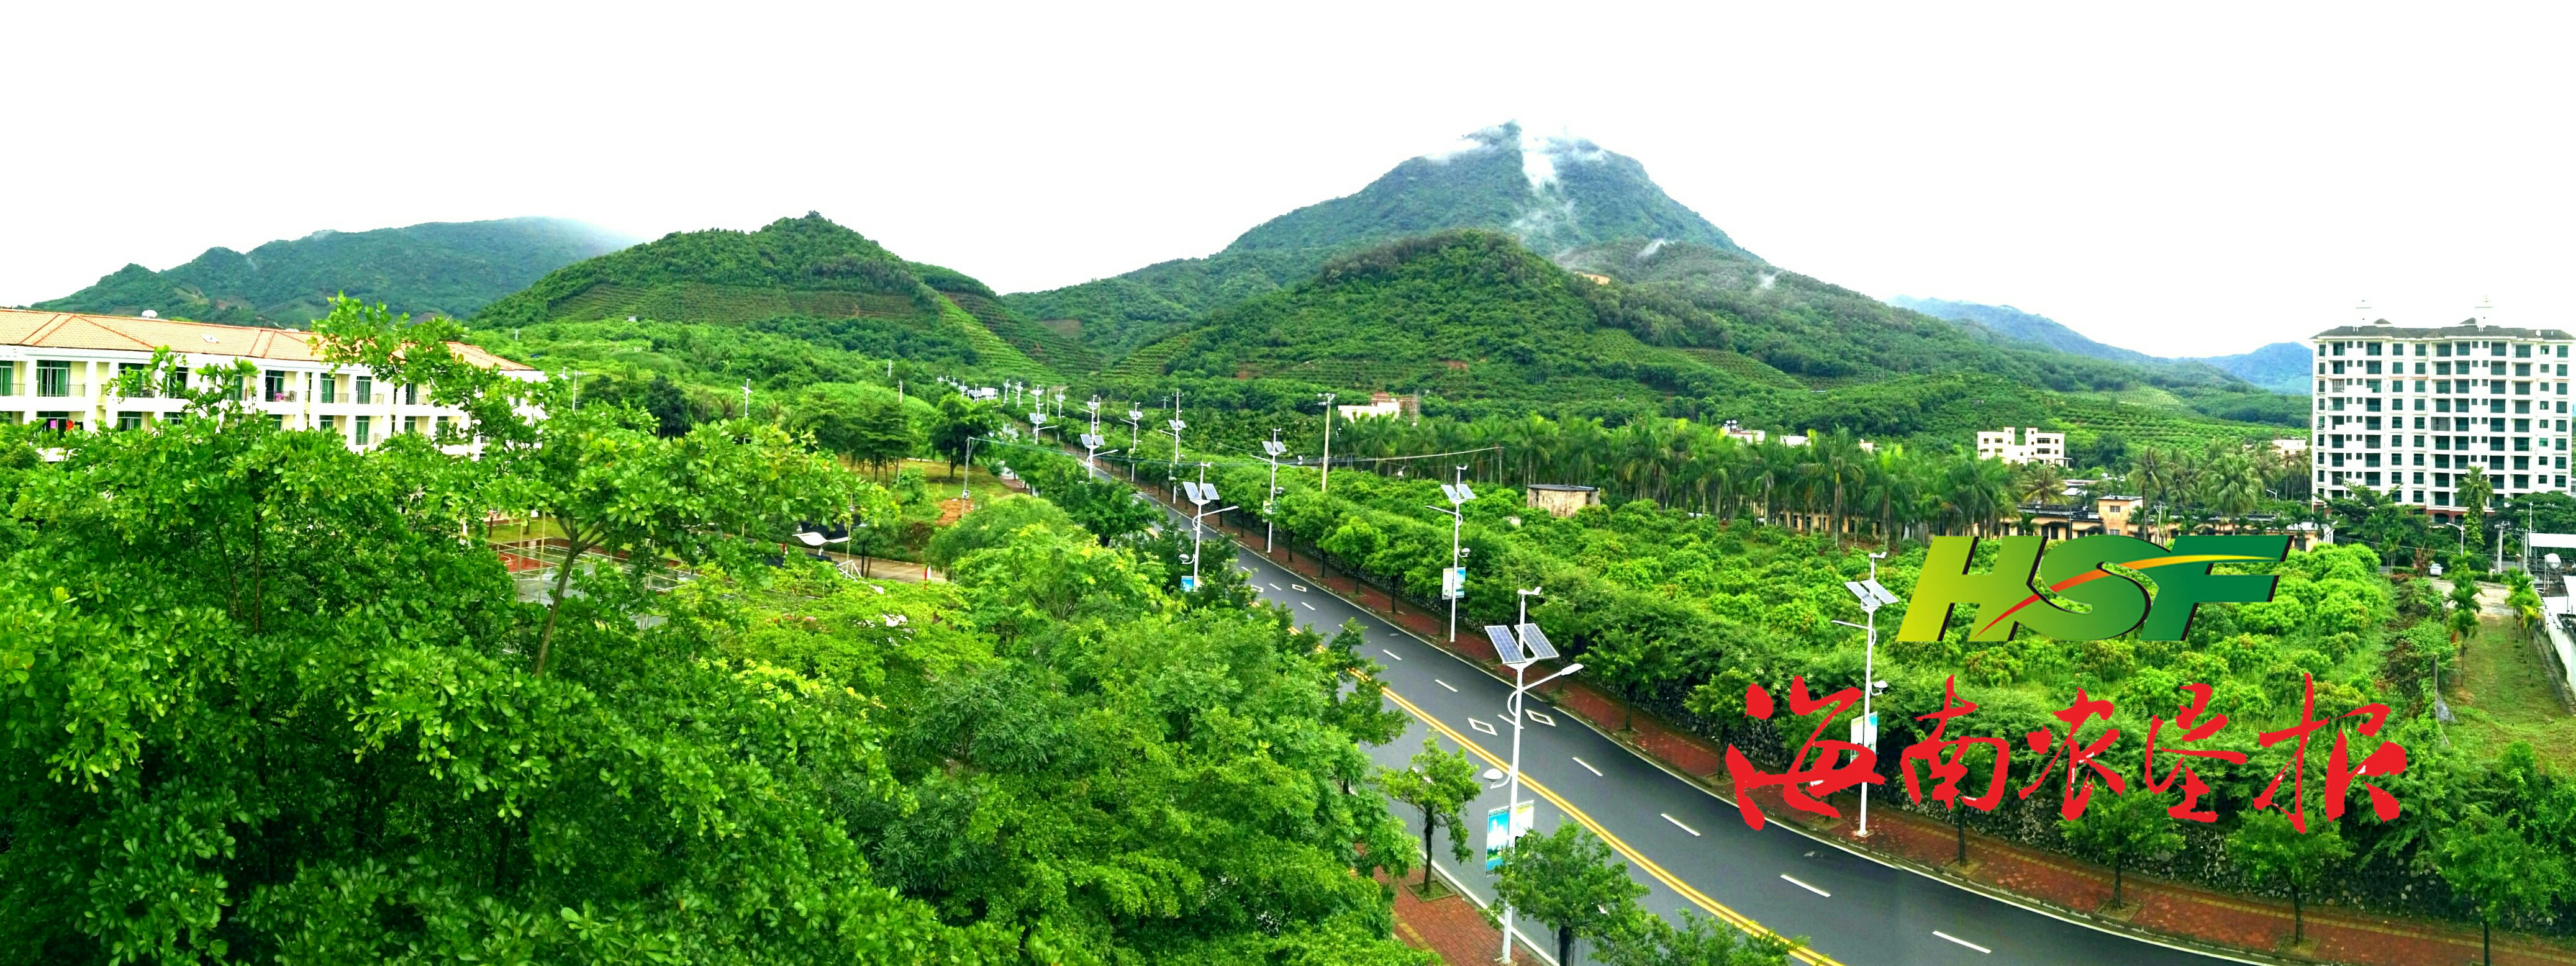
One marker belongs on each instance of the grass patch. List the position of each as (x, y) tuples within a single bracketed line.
[(2505, 693)]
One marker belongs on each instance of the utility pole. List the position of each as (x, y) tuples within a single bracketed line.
[(1327, 486)]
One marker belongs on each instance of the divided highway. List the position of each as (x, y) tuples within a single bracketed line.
[(1696, 850)]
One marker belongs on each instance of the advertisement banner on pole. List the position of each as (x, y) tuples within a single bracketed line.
[(1500, 831), (1864, 731), (1189, 583), (1453, 583)]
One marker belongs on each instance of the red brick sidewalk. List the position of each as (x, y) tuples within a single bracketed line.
[(2071, 888), (1451, 927)]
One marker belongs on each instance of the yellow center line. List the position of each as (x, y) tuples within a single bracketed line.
[(1711, 906)]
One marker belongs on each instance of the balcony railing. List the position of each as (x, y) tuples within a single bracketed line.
[(62, 389)]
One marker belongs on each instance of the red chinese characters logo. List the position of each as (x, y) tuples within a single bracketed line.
[(1819, 770)]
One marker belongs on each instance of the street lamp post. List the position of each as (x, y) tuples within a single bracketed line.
[(1270, 501), (1135, 439), (1453, 579), (1201, 494), (966, 477), (1327, 485), (1519, 647), (1872, 596)]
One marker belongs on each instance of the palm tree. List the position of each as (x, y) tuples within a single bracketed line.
[(2041, 483)]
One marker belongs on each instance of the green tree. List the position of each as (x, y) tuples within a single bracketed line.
[(1440, 784), (959, 420), (2269, 848), (1646, 939), (339, 752), (2476, 491), (2120, 829), (601, 474), (2489, 863), (1568, 880), (2524, 600)]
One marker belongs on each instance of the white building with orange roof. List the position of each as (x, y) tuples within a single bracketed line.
[(62, 368)]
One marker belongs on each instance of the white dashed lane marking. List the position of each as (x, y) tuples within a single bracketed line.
[(1677, 823), (1391, 654), (1587, 766), (1453, 689), (1960, 941), (1793, 882)]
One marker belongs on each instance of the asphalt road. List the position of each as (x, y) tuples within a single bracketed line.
[(1853, 910)]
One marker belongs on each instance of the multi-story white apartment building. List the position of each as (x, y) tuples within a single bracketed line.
[(2408, 411), (62, 368), (2033, 447)]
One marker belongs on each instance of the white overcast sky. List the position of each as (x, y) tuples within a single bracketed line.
[(2183, 180)]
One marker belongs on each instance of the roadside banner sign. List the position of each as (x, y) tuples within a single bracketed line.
[(1453, 583), (1189, 583), (1500, 831)]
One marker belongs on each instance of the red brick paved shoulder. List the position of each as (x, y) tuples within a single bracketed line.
[(1451, 927)]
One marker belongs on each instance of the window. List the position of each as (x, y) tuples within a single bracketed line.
[(411, 395), (2443, 349), (2522, 368), (361, 433), (2372, 348), (53, 377), (327, 423), (411, 424), (2374, 366), (276, 386), (330, 388), (2495, 348), (366, 392), (2522, 351), (129, 420)]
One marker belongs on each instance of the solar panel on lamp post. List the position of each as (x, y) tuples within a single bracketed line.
[(1200, 494), (1519, 647), (1453, 583), (1135, 439), (1273, 449), (1872, 596)]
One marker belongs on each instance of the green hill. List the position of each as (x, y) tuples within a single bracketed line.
[(1472, 319), (1550, 193), (444, 268), (1830, 337), (2012, 323), (1482, 326), (803, 277)]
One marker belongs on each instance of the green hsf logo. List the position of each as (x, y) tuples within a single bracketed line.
[(2112, 602)]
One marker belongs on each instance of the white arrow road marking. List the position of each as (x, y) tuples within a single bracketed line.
[(1960, 941), (1480, 725), (1587, 766), (1797, 883), (1453, 689), (1391, 654), (1540, 718), (1677, 823)]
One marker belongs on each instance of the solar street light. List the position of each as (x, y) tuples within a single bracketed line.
[(1520, 646)]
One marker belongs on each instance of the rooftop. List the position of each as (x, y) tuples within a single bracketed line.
[(69, 330), (2467, 329)]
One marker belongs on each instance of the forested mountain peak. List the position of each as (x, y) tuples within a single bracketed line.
[(1551, 192), (445, 268)]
